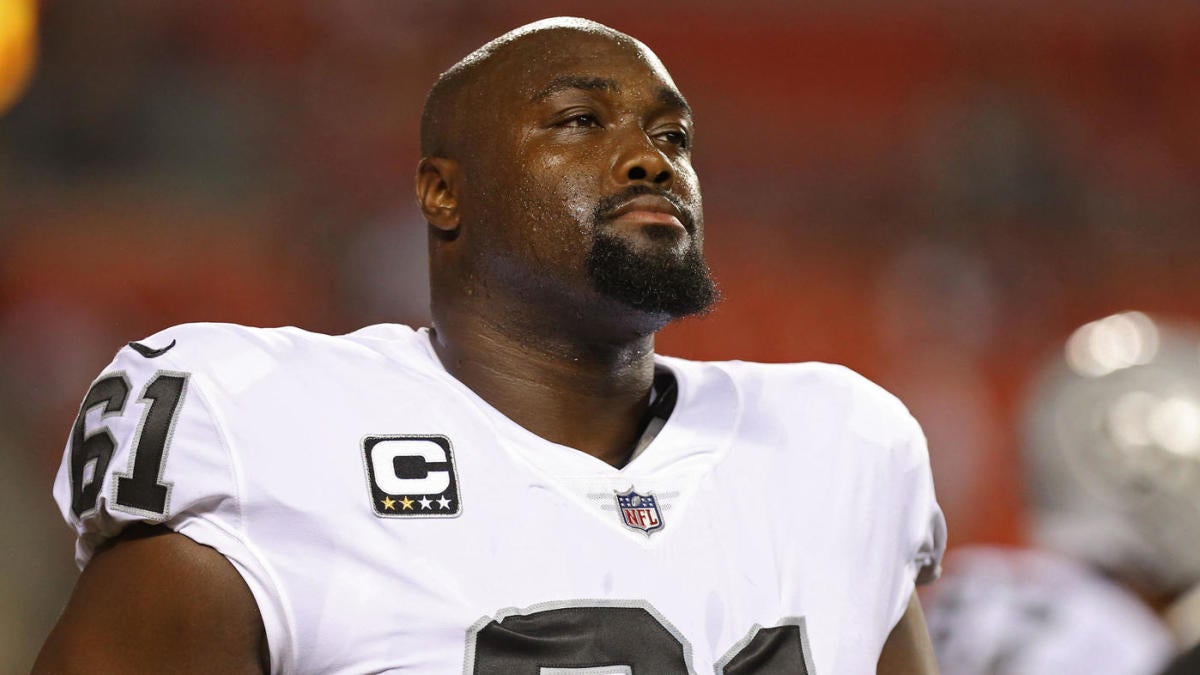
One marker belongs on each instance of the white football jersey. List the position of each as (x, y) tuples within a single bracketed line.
[(387, 519)]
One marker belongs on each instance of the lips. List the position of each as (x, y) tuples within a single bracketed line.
[(648, 210)]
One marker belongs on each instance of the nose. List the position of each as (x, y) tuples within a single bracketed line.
[(640, 161)]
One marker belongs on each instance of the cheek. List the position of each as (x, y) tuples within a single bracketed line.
[(688, 184), (579, 196), (559, 193), (688, 188)]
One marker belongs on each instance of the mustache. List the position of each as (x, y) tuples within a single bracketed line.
[(607, 205)]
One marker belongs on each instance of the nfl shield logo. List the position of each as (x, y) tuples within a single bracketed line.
[(639, 512)]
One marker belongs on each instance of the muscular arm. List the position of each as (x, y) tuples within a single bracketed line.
[(908, 650), (154, 602)]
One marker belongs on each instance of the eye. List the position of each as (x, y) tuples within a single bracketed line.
[(677, 138), (581, 120)]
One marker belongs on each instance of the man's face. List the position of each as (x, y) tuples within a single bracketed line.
[(586, 182)]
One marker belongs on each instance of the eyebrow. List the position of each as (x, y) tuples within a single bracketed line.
[(674, 99), (666, 95)]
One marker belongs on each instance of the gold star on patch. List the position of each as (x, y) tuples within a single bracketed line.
[(389, 503), (406, 503)]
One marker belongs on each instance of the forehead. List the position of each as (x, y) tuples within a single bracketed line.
[(533, 65)]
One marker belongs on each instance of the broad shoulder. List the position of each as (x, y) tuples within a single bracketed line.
[(223, 350)]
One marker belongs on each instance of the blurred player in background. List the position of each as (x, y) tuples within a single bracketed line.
[(1112, 453), (526, 487)]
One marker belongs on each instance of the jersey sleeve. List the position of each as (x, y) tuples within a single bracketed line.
[(147, 447), (928, 521), (923, 526), (903, 526)]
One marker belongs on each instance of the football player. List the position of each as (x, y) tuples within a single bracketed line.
[(1112, 458), (525, 487)]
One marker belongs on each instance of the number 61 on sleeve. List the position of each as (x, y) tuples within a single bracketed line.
[(140, 489)]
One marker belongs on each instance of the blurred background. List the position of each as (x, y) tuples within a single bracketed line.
[(934, 193)]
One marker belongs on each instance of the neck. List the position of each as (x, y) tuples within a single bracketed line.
[(580, 388)]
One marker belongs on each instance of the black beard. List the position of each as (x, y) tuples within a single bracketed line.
[(656, 282)]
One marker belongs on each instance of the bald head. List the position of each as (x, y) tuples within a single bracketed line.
[(465, 89)]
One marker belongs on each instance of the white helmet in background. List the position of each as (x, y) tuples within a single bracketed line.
[(1112, 451)]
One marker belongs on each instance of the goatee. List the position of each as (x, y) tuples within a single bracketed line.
[(660, 282)]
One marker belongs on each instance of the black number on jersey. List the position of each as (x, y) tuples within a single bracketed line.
[(626, 639), (90, 454), (141, 488), (768, 651)]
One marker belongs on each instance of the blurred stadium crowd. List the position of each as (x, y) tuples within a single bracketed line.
[(935, 194)]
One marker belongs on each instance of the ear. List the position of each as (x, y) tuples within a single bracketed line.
[(438, 182)]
